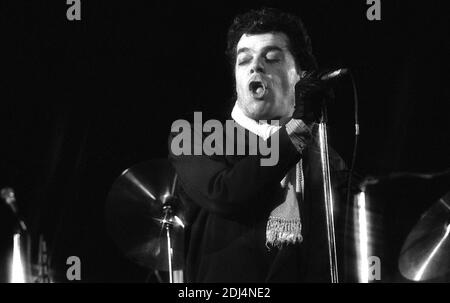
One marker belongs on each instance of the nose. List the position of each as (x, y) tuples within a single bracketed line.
[(257, 66)]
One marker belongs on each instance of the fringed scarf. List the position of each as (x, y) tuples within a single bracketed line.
[(283, 225)]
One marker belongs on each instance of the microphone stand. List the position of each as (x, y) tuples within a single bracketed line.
[(328, 197)]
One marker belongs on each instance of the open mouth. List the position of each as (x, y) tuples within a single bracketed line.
[(258, 89)]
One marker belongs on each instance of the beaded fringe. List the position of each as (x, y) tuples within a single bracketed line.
[(281, 231)]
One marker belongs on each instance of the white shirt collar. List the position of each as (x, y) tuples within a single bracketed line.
[(261, 128)]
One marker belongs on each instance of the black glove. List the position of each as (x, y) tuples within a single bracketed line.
[(310, 93)]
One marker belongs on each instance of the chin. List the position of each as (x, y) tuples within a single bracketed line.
[(259, 110)]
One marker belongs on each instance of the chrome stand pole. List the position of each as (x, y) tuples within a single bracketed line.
[(167, 225), (328, 197)]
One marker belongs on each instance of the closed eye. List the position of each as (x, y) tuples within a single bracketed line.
[(273, 56), (272, 60), (243, 62)]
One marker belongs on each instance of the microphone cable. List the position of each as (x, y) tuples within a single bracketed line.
[(350, 173)]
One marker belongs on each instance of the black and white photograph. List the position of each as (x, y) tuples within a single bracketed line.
[(237, 143)]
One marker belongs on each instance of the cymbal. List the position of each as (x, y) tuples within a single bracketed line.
[(135, 216), (425, 255)]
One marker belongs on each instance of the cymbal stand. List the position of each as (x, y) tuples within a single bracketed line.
[(167, 224)]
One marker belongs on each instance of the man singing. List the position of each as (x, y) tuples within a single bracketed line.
[(248, 222)]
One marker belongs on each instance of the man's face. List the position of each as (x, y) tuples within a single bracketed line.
[(265, 75)]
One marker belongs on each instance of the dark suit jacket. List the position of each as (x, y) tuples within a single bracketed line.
[(229, 199)]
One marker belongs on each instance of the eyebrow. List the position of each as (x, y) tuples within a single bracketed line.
[(265, 49)]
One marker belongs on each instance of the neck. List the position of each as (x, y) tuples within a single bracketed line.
[(282, 120)]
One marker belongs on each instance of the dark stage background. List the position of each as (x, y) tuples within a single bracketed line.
[(82, 101)]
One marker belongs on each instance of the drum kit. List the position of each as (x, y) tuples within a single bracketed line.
[(146, 221)]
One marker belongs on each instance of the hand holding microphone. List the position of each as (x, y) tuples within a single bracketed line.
[(312, 90)]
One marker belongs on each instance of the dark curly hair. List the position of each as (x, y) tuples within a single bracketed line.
[(267, 20)]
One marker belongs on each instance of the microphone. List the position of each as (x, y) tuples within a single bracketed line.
[(333, 75), (8, 195), (314, 88)]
